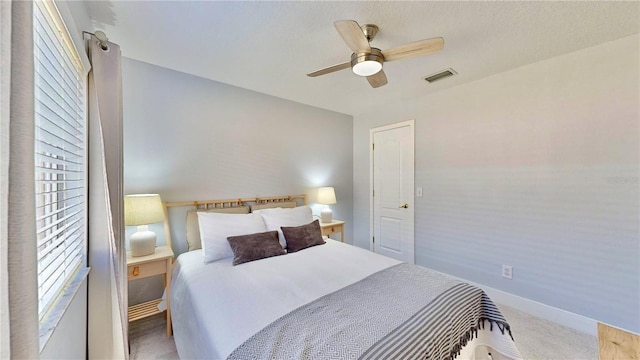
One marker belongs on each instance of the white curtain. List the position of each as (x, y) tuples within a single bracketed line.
[(108, 324), (18, 267)]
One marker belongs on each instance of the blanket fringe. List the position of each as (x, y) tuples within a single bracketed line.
[(472, 333)]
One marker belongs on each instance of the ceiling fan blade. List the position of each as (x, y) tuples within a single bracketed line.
[(330, 69), (417, 48), (378, 79), (352, 35)]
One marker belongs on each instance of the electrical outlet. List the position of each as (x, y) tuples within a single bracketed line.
[(507, 272), (419, 191)]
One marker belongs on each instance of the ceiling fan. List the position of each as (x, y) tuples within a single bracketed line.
[(366, 60)]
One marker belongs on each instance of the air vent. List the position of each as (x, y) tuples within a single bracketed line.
[(440, 75)]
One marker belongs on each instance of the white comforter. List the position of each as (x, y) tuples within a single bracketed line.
[(216, 307)]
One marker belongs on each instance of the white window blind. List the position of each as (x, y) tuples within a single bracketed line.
[(60, 155)]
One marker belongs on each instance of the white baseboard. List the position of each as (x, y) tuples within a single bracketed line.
[(559, 316)]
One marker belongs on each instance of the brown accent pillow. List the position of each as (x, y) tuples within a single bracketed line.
[(302, 237), (255, 246)]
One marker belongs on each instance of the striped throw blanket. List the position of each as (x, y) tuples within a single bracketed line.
[(402, 312)]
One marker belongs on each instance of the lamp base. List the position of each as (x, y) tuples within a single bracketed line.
[(326, 214), (142, 242)]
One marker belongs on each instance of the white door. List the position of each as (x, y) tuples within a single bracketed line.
[(392, 162)]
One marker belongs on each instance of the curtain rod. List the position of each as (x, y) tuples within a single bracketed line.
[(101, 36)]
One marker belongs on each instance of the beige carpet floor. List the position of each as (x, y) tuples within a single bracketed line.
[(148, 339), (536, 338)]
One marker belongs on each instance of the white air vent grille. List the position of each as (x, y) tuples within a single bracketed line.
[(440, 75)]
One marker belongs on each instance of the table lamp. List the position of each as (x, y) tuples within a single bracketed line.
[(141, 210), (326, 196)]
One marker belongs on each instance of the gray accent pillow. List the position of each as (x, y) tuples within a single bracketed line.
[(255, 246), (271, 205), (302, 237), (193, 230)]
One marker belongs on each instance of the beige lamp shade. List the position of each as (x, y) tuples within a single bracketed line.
[(326, 195), (143, 209)]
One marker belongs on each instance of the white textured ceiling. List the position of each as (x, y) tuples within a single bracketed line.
[(269, 47)]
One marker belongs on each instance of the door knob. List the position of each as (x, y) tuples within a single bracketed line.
[(405, 206)]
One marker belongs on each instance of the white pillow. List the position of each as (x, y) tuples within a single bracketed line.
[(216, 227), (277, 217)]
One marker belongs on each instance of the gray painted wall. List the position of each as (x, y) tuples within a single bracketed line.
[(536, 168), (188, 138)]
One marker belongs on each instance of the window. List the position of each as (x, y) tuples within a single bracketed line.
[(60, 155)]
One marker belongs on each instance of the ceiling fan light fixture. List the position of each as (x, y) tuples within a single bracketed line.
[(367, 63), (367, 68)]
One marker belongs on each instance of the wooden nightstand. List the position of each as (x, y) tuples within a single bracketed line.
[(139, 267), (335, 226), (615, 343)]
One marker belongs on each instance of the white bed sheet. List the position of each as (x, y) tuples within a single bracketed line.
[(215, 307)]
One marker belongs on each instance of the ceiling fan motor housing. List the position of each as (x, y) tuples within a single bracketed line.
[(367, 63)]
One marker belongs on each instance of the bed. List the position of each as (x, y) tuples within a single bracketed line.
[(327, 300)]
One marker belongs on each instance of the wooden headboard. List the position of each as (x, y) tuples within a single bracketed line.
[(221, 204)]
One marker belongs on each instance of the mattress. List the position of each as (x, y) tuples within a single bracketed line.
[(216, 307)]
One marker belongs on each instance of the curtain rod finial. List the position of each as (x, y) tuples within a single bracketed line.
[(101, 36)]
